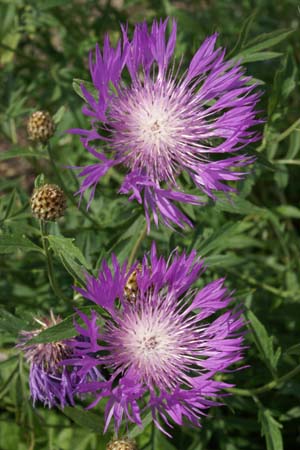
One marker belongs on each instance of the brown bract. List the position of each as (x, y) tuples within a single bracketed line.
[(48, 202), (40, 126), (121, 444)]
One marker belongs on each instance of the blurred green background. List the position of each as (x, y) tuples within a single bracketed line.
[(252, 240)]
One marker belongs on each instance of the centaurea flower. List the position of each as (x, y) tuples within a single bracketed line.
[(159, 349), (164, 122), (50, 382)]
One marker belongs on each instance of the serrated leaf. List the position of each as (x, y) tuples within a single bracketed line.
[(271, 430), (66, 246), (263, 341), (70, 255), (12, 243)]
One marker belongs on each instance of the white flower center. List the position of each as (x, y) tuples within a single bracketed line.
[(149, 128), (152, 124)]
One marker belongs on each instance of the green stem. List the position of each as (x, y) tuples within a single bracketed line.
[(50, 269), (266, 387), (63, 186), (153, 436), (288, 131), (136, 246), (296, 162), (253, 282)]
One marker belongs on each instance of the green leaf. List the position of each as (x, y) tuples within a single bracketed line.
[(257, 56), (136, 430), (59, 114), (84, 418), (238, 205), (21, 152), (12, 243), (51, 4), (11, 200), (230, 235), (253, 52), (70, 255), (267, 40), (293, 413), (293, 350), (39, 181), (243, 35), (10, 323), (289, 211), (270, 428), (77, 82), (63, 330), (263, 342)]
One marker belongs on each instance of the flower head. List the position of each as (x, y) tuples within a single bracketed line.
[(48, 202), (121, 444), (162, 124), (40, 126), (161, 347), (50, 382)]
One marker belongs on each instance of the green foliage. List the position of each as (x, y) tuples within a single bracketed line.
[(252, 239)]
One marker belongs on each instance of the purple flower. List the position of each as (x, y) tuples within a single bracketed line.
[(158, 346), (50, 382), (165, 122)]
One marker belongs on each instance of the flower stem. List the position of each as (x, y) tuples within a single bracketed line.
[(153, 436), (136, 246), (266, 387), (63, 186), (44, 236)]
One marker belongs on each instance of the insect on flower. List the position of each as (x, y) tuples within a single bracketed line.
[(160, 352), (167, 121)]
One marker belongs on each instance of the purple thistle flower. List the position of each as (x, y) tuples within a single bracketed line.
[(157, 348), (50, 382), (162, 124)]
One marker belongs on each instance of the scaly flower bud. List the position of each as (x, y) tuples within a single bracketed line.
[(48, 202), (40, 126), (121, 444)]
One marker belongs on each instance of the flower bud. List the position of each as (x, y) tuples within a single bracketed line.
[(121, 444), (40, 126), (48, 202)]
